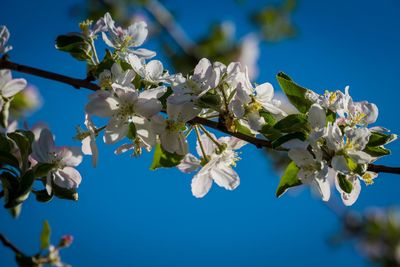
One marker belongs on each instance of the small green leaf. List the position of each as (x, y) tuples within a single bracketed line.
[(45, 235), (268, 117), (379, 139), (295, 93), (4, 143), (270, 132), (23, 139), (289, 179), (344, 183), (42, 169), (76, 45), (131, 131), (377, 151), (164, 159), (209, 100), (293, 123), (330, 116), (242, 129), (7, 158), (64, 193), (42, 195), (283, 139)]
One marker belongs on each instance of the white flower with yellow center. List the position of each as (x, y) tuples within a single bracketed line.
[(121, 106), (216, 164), (64, 159)]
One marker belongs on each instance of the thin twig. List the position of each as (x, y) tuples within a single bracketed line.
[(10, 245), (167, 21), (84, 83)]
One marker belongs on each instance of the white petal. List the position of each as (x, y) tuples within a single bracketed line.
[(301, 157), (265, 92), (102, 107), (316, 116), (43, 145), (68, 178), (70, 156), (236, 107), (13, 87), (339, 164), (189, 164), (138, 31), (154, 69), (201, 184), (115, 131), (143, 53), (255, 120), (323, 187), (225, 177), (155, 93)]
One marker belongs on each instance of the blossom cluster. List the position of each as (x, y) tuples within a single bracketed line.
[(327, 137)]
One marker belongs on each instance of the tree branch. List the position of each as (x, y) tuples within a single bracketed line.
[(166, 20), (10, 245), (383, 168), (85, 83)]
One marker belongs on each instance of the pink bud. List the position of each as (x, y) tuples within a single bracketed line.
[(66, 241)]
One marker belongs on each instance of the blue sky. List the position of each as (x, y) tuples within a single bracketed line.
[(128, 215)]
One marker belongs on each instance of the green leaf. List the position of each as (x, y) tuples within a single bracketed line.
[(42, 169), (23, 140), (76, 45), (242, 129), (289, 179), (379, 139), (105, 64), (164, 159), (293, 123), (212, 101), (45, 235), (377, 151), (4, 143), (283, 139), (270, 132), (64, 193), (7, 158), (268, 117), (42, 195), (344, 183), (131, 131), (330, 116), (294, 92)]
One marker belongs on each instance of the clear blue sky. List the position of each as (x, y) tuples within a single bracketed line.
[(130, 216)]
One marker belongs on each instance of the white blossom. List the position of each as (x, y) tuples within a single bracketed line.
[(151, 72), (116, 75), (121, 106), (217, 166), (313, 170), (205, 76), (250, 105), (169, 129), (122, 39), (63, 158)]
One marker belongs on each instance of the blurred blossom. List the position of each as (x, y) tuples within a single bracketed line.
[(375, 233), (249, 54)]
